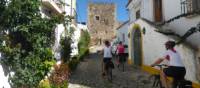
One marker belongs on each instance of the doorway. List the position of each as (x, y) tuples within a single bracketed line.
[(158, 16), (137, 51)]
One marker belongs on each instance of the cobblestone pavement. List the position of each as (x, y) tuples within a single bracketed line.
[(88, 75)]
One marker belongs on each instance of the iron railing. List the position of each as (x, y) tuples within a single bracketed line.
[(188, 6)]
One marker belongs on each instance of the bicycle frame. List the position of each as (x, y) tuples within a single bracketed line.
[(108, 70), (157, 81)]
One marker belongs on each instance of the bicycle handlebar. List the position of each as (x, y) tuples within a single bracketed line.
[(160, 65)]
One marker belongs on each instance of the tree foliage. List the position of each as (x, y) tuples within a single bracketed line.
[(26, 40), (83, 44)]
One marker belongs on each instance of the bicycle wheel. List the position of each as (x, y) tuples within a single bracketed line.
[(109, 74), (156, 82), (123, 66)]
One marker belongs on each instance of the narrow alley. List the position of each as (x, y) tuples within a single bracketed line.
[(88, 75)]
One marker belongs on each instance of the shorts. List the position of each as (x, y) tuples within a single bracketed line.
[(177, 73), (122, 57), (105, 60)]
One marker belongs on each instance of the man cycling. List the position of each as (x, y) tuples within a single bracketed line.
[(175, 69)]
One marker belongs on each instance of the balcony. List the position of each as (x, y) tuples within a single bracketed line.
[(54, 5), (189, 6)]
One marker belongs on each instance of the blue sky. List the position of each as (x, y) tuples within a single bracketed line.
[(122, 14)]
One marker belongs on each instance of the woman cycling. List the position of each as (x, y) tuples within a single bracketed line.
[(120, 52), (175, 69), (107, 55)]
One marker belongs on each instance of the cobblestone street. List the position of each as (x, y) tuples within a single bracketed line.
[(88, 75)]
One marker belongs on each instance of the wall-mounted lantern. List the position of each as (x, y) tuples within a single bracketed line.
[(128, 35), (144, 30)]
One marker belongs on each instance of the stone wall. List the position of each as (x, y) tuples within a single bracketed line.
[(101, 22)]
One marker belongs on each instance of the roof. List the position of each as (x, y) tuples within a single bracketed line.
[(122, 25), (129, 1)]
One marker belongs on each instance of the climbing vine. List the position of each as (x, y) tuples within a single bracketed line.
[(26, 40)]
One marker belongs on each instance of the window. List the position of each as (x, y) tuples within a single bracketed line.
[(106, 21), (138, 14), (123, 36), (106, 32), (190, 6), (97, 17)]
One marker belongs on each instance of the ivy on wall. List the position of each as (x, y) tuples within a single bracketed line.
[(26, 40)]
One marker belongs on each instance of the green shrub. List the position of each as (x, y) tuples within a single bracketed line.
[(73, 63), (63, 85), (65, 48), (44, 84), (83, 45)]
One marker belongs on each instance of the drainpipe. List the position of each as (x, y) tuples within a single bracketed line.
[(71, 9)]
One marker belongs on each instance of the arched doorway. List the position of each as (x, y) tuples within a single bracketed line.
[(137, 48)]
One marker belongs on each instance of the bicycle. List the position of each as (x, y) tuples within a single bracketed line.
[(108, 70), (157, 81), (176, 83), (122, 60)]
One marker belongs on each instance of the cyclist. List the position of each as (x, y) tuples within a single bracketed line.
[(107, 55), (120, 52), (175, 68)]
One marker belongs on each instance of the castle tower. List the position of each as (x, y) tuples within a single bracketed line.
[(101, 22)]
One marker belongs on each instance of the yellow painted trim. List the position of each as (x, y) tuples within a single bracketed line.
[(195, 85), (151, 70), (130, 61), (141, 42)]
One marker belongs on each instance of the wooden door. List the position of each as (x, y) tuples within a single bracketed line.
[(158, 10)]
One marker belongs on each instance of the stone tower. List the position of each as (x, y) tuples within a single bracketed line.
[(101, 22)]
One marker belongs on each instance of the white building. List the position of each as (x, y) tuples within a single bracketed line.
[(59, 7), (76, 37), (167, 17), (122, 34)]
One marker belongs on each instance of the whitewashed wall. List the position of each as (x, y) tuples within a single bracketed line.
[(122, 32), (172, 8), (70, 3), (3, 76), (58, 33), (145, 7), (153, 47)]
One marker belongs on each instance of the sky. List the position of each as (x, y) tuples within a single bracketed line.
[(122, 14)]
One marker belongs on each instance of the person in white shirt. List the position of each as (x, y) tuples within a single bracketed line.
[(175, 69), (107, 55)]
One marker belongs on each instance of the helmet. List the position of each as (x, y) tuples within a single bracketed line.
[(170, 44)]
